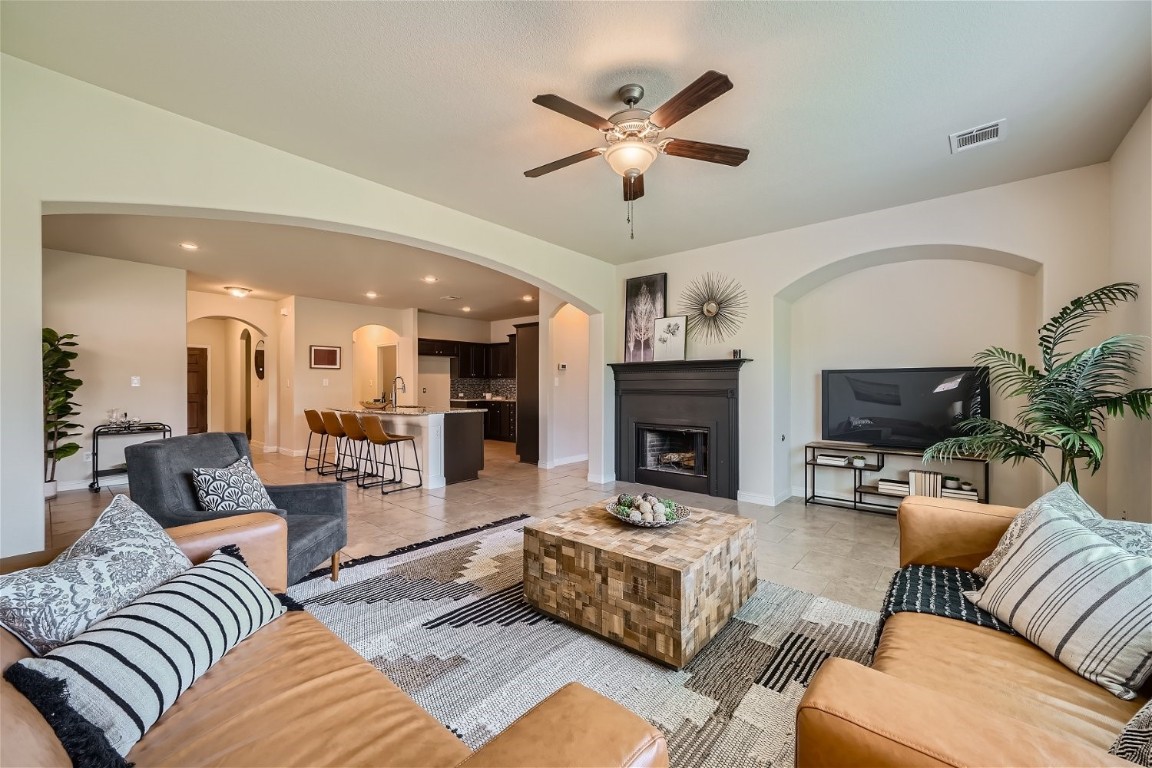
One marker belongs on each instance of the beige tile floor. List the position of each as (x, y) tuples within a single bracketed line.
[(844, 555)]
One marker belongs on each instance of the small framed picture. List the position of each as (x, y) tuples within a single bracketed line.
[(668, 337), (323, 357)]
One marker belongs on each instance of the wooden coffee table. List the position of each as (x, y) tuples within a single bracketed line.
[(662, 592)]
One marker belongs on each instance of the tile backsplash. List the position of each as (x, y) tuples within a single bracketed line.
[(474, 389)]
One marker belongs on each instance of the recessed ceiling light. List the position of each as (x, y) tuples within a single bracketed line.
[(430, 279), (371, 294), (526, 297), (450, 298), (190, 246), (237, 291), (466, 309)]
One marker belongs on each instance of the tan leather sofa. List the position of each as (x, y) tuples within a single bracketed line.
[(945, 692), (294, 694)]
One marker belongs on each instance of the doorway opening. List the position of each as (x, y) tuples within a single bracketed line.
[(224, 395)]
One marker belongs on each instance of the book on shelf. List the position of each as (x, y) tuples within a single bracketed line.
[(923, 482), (833, 461), (958, 493)]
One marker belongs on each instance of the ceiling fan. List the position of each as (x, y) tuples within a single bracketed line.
[(634, 136)]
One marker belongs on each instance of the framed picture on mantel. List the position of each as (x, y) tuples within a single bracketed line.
[(668, 337), (644, 302), (323, 357)]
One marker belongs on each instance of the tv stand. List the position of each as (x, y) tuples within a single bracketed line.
[(866, 496)]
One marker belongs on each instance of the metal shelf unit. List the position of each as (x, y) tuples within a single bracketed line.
[(862, 491), (110, 430)]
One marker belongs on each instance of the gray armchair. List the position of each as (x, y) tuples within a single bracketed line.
[(160, 481)]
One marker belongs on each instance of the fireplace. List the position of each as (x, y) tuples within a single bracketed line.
[(677, 425)]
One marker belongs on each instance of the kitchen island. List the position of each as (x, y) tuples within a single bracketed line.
[(450, 443)]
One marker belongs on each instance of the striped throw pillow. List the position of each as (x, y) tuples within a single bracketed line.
[(104, 689), (1081, 598), (1134, 743)]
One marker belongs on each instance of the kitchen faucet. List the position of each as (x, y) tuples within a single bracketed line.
[(402, 388)]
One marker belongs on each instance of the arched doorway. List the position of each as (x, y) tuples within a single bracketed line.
[(224, 392), (374, 362)]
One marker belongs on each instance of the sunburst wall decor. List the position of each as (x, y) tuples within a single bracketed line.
[(715, 306)]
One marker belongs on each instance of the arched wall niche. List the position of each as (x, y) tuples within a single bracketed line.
[(906, 306)]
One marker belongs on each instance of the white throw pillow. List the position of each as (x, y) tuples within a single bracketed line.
[(236, 487), (1081, 598), (123, 555)]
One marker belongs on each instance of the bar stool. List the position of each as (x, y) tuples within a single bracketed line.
[(343, 455), (374, 429), (358, 444), (316, 427)]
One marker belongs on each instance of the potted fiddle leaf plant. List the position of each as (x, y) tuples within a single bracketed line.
[(59, 408), (1066, 399)]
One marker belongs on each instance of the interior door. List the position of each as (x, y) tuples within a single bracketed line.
[(197, 390)]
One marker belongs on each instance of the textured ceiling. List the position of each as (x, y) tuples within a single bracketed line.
[(846, 107), (277, 261)]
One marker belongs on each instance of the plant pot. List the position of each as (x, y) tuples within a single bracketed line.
[(967, 487), (858, 463), (50, 490), (953, 484)]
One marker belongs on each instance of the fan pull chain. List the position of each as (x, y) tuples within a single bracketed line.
[(631, 223)]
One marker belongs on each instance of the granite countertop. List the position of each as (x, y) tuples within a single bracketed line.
[(482, 400), (412, 413)]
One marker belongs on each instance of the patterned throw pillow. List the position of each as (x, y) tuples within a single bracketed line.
[(1134, 538), (102, 691), (1134, 743), (123, 555), (1081, 598), (236, 487)]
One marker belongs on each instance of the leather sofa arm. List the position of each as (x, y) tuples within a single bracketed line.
[(574, 728), (854, 715), (950, 532), (261, 536)]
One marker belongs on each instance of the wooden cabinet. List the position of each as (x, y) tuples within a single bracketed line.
[(438, 347), (528, 392)]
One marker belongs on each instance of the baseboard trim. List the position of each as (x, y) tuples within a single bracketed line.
[(756, 498), (82, 485), (570, 460), (271, 449), (609, 477), (289, 452)]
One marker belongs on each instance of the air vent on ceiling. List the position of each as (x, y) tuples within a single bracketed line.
[(450, 298), (975, 137)]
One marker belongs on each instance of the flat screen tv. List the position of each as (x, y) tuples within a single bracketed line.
[(901, 407)]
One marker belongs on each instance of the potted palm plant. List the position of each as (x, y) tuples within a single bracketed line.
[(1067, 397), (59, 409)]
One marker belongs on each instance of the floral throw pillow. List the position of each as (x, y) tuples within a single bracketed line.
[(234, 488), (1133, 538), (125, 554)]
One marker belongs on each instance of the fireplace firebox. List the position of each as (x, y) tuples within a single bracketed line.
[(677, 425)]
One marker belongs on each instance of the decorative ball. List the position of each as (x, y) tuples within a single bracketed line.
[(645, 508), (624, 500), (659, 509), (634, 516), (660, 516), (647, 517)]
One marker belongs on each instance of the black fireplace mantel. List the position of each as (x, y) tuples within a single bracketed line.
[(675, 394)]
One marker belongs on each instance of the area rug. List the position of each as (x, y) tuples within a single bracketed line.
[(446, 621)]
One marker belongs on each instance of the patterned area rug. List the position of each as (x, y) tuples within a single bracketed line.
[(446, 621)]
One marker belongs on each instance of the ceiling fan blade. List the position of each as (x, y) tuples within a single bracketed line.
[(702, 150), (574, 111), (563, 162), (633, 188), (707, 87)]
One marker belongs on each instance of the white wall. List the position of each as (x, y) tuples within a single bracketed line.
[(1129, 441), (70, 147), (1060, 222), (434, 391), (499, 330), (863, 320), (130, 321), (432, 326), (568, 329), (210, 333), (367, 384)]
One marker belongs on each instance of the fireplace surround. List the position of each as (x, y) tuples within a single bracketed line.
[(678, 425)]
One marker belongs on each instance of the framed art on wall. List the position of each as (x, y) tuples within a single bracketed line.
[(323, 357), (644, 302), (668, 335)]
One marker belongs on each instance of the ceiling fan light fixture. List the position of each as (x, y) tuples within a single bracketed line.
[(237, 291), (630, 155)]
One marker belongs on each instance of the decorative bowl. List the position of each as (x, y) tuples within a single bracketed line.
[(372, 405), (682, 513)]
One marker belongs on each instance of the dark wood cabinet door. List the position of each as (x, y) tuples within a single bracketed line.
[(197, 390)]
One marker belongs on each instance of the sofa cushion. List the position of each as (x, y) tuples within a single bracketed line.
[(27, 740), (1134, 743), (236, 487), (294, 694), (1001, 673), (1063, 498), (123, 555), (105, 688), (1079, 597)]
